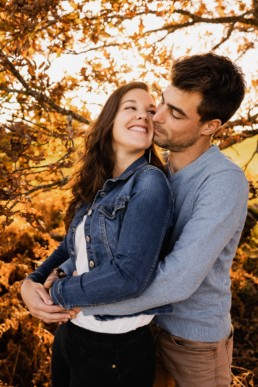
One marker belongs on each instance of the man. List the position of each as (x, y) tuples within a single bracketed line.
[(194, 341)]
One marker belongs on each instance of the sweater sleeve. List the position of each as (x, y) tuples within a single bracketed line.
[(215, 226)]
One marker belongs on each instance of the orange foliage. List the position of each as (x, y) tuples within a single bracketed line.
[(41, 123), (26, 343)]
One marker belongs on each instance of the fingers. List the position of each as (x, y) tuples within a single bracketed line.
[(40, 305), (44, 295), (50, 280), (50, 314), (76, 310)]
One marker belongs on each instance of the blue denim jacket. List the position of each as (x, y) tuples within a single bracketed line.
[(126, 230)]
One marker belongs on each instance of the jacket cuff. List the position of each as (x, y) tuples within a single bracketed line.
[(55, 293)]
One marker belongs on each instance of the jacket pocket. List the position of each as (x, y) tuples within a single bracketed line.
[(110, 221), (112, 210)]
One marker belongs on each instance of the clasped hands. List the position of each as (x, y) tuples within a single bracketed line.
[(38, 301)]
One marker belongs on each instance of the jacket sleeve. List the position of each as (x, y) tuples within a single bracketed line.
[(59, 256), (217, 220), (68, 267), (146, 220)]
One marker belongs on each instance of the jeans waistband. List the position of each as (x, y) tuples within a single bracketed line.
[(108, 337)]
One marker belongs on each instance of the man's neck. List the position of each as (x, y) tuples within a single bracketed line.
[(179, 160)]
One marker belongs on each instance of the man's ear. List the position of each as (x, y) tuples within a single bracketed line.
[(210, 127)]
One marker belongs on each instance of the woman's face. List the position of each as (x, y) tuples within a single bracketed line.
[(133, 126)]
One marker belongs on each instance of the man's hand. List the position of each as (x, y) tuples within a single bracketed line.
[(40, 305)]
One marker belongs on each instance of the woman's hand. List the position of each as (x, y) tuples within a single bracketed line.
[(40, 305)]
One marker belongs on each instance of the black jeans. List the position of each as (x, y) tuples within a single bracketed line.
[(83, 358)]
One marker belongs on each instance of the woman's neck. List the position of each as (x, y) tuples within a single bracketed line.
[(123, 161)]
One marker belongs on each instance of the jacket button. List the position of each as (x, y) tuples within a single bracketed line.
[(88, 238), (103, 194), (92, 264), (89, 212)]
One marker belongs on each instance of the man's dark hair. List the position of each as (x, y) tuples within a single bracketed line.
[(220, 82)]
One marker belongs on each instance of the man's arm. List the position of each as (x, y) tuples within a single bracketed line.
[(217, 219)]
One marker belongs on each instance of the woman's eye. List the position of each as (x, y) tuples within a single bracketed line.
[(151, 112), (130, 108)]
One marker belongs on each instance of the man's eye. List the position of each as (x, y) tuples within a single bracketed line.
[(173, 114)]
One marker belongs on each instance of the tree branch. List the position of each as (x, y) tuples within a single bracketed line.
[(251, 158), (223, 40), (221, 20), (45, 187), (40, 97), (195, 19)]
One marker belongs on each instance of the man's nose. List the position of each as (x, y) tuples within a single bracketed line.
[(159, 115)]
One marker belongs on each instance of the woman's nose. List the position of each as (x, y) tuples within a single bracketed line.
[(142, 115)]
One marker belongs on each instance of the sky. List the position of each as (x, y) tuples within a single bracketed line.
[(178, 42)]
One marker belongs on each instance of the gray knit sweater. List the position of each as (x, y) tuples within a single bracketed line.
[(210, 210)]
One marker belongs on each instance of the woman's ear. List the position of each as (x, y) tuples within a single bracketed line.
[(210, 127)]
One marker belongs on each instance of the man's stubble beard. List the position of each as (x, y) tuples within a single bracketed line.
[(168, 144)]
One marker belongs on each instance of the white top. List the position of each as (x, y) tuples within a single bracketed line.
[(119, 325)]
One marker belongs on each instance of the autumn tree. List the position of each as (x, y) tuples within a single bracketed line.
[(46, 106), (113, 41)]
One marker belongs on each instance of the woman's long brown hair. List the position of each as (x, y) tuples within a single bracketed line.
[(97, 161)]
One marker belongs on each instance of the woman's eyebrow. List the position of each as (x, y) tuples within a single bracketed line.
[(129, 100), (134, 101)]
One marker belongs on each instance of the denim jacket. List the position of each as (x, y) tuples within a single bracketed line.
[(126, 230)]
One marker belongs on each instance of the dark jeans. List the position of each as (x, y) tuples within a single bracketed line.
[(83, 358)]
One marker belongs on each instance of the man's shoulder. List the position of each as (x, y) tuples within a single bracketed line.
[(217, 161), (213, 169)]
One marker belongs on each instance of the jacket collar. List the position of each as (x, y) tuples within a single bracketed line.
[(131, 169)]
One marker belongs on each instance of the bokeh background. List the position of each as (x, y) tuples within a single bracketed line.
[(59, 60)]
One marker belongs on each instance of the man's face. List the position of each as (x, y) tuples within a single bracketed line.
[(177, 124)]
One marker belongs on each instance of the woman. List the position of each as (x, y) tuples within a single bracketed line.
[(118, 220)]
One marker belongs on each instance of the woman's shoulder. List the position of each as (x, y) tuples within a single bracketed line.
[(152, 175), (152, 171)]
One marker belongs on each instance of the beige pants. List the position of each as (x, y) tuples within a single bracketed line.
[(186, 363)]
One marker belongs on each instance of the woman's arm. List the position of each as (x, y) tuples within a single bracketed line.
[(36, 296), (59, 256), (145, 223)]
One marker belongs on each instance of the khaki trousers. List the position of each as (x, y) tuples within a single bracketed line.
[(186, 363)]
